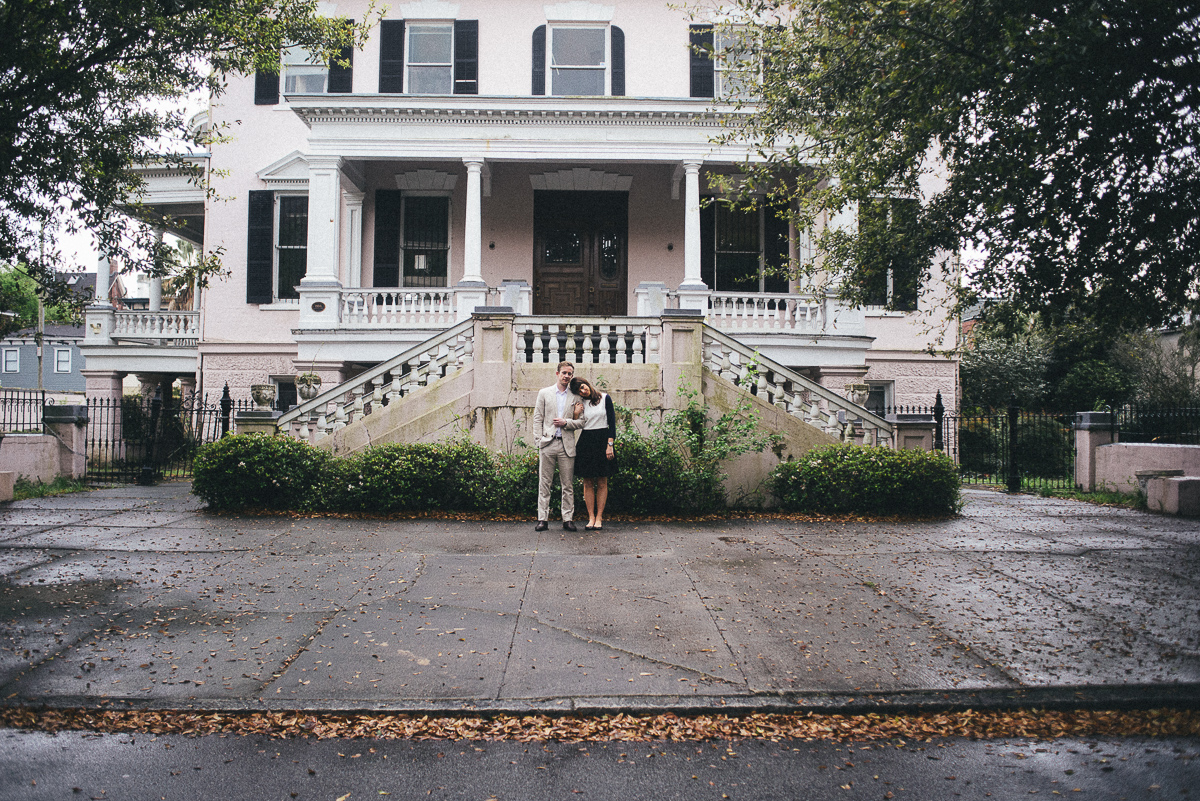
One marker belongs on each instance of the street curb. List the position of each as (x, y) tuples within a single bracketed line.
[(1062, 698)]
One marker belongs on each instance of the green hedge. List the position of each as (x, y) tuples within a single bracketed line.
[(841, 479), (256, 470)]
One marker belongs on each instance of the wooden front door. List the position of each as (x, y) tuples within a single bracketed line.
[(579, 252)]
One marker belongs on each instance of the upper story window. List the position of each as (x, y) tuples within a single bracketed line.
[(300, 72), (429, 57), (303, 73), (725, 63), (12, 360), (580, 59), (62, 360)]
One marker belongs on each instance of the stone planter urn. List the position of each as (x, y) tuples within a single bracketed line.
[(308, 385), (264, 396), (858, 393)]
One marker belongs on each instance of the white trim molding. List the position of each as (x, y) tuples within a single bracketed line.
[(426, 181), (579, 11)]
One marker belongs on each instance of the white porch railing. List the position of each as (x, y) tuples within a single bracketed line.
[(800, 314), (798, 396), (398, 308), (419, 366), (587, 340), (174, 327)]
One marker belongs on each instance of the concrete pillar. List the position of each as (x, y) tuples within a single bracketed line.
[(1092, 429), (68, 424), (682, 355), (103, 384), (493, 358)]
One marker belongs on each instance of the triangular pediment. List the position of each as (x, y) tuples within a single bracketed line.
[(291, 170)]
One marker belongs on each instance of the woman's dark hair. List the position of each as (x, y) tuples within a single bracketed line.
[(593, 393)]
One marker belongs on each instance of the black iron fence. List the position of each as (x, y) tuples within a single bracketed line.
[(1015, 448), (1178, 425), (21, 410), (135, 439)]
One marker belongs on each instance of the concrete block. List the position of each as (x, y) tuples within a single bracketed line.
[(1174, 495), (7, 481)]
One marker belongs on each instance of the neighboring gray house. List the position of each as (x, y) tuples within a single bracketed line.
[(61, 359)]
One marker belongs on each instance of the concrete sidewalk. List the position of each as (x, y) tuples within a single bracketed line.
[(137, 596)]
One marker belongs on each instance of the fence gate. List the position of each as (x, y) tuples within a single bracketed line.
[(134, 439), (1017, 449)]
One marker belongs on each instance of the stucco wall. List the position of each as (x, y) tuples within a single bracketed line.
[(1117, 464)]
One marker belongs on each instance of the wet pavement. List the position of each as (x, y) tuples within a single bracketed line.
[(138, 596)]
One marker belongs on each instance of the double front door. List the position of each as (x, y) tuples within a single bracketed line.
[(579, 257)]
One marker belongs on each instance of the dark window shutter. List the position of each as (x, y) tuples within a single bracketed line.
[(618, 61), (260, 247), (466, 57), (539, 60), (708, 252), (391, 56), (341, 79), (266, 88), (387, 237), (700, 38), (775, 249)]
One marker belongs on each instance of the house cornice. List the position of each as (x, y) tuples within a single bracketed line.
[(513, 110)]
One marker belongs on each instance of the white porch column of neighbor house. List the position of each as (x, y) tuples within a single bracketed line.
[(693, 292), (320, 289), (155, 282), (99, 317), (472, 290), (354, 211)]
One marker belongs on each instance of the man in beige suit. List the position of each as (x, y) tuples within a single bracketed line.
[(554, 424)]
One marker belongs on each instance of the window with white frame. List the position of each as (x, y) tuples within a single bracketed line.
[(578, 59), (12, 360), (425, 240), (303, 73), (430, 58), (291, 244), (737, 67), (62, 360)]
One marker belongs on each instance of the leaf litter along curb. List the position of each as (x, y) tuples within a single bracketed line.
[(1036, 724)]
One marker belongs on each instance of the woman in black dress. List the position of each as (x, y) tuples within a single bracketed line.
[(594, 450)]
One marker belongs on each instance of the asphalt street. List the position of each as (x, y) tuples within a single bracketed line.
[(136, 596)]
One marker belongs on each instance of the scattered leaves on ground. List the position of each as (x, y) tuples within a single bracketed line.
[(1040, 724)]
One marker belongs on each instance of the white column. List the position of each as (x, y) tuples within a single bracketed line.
[(473, 224), (103, 281), (155, 281), (693, 293), (320, 289), (691, 227), (354, 208), (471, 291)]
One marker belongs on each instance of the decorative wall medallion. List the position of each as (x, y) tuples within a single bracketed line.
[(318, 306)]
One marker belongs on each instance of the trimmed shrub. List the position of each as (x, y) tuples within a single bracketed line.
[(256, 470), (841, 479), (648, 478)]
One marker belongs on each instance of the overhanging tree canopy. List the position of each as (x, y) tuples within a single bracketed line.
[(1066, 132), (91, 88)]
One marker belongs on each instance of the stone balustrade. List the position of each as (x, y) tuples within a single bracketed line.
[(789, 391), (587, 340), (175, 327)]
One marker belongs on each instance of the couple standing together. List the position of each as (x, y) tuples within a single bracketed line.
[(570, 405)]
